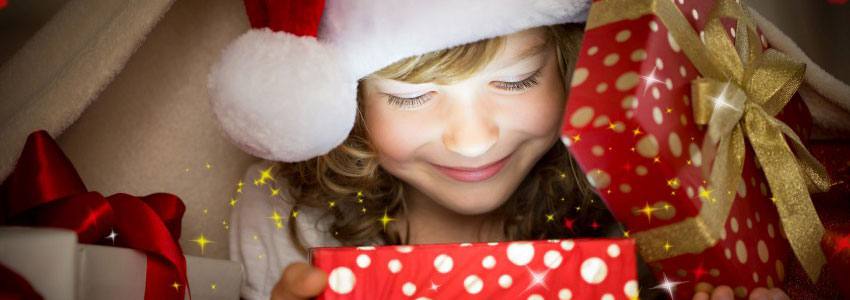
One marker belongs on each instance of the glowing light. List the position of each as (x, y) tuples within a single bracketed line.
[(636, 131), (537, 279), (202, 242), (722, 99), (385, 220), (650, 80), (233, 202), (265, 174), (112, 235), (668, 285), (434, 287), (648, 210)]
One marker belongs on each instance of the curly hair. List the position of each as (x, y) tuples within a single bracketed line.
[(554, 192)]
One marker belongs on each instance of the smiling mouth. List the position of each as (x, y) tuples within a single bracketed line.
[(474, 174)]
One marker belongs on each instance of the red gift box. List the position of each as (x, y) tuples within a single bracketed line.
[(550, 269), (654, 80)]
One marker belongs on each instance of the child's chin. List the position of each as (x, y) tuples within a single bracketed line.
[(475, 208)]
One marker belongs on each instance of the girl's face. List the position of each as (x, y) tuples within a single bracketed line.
[(508, 114)]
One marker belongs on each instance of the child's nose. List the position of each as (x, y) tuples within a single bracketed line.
[(470, 132)]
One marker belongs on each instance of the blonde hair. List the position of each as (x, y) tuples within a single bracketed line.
[(555, 185)]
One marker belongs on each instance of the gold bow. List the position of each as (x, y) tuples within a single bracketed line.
[(743, 89)]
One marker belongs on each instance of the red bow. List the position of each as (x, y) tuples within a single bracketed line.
[(45, 190)]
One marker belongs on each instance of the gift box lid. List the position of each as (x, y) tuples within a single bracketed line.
[(59, 268)]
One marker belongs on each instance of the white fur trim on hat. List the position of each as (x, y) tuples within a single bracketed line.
[(282, 97), (290, 99)]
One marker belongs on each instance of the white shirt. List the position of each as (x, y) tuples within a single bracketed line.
[(256, 241)]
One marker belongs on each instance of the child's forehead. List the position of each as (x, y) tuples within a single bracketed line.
[(519, 46)]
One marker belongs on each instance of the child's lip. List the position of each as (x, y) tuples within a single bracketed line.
[(474, 174)]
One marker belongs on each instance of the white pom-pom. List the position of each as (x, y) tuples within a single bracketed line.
[(282, 97)]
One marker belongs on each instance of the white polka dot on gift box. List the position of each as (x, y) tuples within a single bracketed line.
[(550, 269), (629, 124)]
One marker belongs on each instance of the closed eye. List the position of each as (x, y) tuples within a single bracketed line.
[(407, 103), (521, 85)]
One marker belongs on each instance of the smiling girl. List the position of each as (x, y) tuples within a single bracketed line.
[(454, 140)]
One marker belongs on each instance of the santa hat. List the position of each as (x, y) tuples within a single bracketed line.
[(286, 89)]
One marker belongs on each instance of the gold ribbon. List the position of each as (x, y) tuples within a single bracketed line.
[(743, 89)]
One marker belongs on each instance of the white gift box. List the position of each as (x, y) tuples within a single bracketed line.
[(59, 268)]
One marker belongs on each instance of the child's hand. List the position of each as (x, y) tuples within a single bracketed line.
[(724, 292), (299, 281)]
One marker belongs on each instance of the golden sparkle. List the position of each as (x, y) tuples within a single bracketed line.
[(233, 202), (626, 233), (667, 246), (208, 166), (331, 204), (385, 220), (648, 210), (636, 131), (674, 183), (576, 138), (265, 174), (550, 217), (277, 219), (202, 241), (705, 193), (176, 286), (212, 286), (275, 191)]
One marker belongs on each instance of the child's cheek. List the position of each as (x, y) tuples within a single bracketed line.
[(395, 135), (538, 112)]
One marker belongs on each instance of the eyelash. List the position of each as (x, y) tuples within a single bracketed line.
[(405, 103), (520, 85)]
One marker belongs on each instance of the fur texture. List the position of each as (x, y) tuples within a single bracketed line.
[(282, 97)]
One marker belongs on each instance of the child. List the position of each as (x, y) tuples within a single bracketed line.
[(460, 144)]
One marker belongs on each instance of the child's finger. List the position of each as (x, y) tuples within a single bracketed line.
[(722, 292), (300, 281), (760, 293), (778, 294), (701, 296)]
